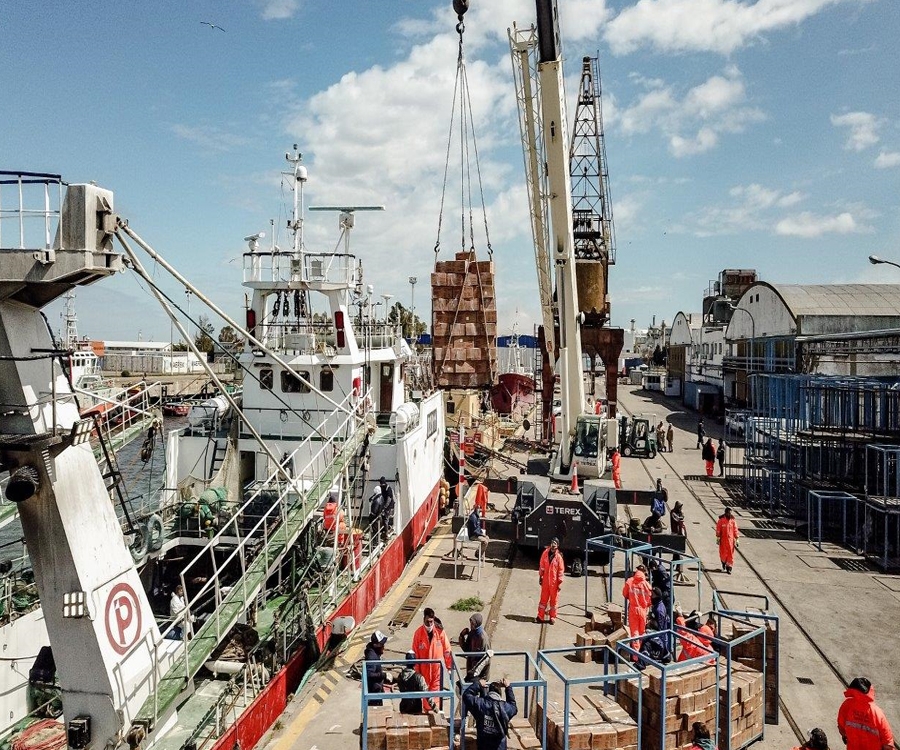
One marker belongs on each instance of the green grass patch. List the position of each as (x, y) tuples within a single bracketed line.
[(469, 604)]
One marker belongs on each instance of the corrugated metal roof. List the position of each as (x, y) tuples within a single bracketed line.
[(841, 299)]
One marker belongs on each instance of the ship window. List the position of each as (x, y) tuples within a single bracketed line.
[(431, 422), (451, 407), (290, 384), (326, 380), (266, 379)]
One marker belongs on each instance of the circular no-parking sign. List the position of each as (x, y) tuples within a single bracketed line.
[(123, 618)]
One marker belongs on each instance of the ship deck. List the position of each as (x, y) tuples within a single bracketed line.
[(836, 622)]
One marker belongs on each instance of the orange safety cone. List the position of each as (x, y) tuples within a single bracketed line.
[(573, 490)]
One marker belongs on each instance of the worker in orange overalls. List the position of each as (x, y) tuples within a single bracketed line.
[(727, 538), (431, 642), (550, 576), (862, 724), (616, 471), (692, 645), (637, 594)]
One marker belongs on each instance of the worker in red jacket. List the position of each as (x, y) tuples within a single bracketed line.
[(862, 724), (431, 642), (550, 576), (637, 594), (727, 538)]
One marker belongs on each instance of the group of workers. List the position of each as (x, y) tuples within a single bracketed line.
[(491, 704)]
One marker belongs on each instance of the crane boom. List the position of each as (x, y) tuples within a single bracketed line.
[(554, 148), (523, 46)]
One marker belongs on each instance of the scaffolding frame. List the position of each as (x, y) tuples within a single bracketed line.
[(623, 670), (612, 543), (823, 520)]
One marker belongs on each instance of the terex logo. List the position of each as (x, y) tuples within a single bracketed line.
[(561, 511)]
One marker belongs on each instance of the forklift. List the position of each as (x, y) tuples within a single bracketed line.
[(637, 437)]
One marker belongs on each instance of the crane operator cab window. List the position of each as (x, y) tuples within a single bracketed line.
[(587, 438)]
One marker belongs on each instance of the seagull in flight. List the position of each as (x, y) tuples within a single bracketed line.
[(212, 25)]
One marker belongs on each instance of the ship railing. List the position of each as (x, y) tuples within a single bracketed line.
[(126, 412), (18, 591), (30, 209), (314, 268), (258, 550)]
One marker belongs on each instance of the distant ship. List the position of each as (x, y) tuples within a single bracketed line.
[(514, 389)]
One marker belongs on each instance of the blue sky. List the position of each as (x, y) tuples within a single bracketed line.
[(758, 134)]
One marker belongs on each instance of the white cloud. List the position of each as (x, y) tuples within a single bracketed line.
[(705, 139), (693, 123), (887, 159), (721, 26), (808, 225), (863, 129), (273, 10), (753, 208)]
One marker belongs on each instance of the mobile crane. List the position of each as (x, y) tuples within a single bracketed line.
[(581, 439)]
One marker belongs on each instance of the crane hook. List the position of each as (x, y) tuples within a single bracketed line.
[(460, 7)]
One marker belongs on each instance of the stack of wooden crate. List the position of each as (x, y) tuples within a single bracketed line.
[(390, 730), (464, 322), (595, 723), (605, 628), (691, 696), (744, 716), (750, 654)]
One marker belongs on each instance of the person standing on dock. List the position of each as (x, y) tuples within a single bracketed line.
[(615, 459), (727, 537), (701, 433), (431, 642), (375, 674), (474, 640), (637, 594), (862, 724), (661, 437), (709, 456), (550, 576), (720, 457), (492, 712), (670, 438)]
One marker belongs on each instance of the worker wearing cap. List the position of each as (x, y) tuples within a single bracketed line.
[(637, 593), (550, 576), (376, 677), (431, 642), (410, 681), (862, 724)]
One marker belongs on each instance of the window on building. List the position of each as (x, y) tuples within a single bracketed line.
[(266, 379), (290, 384)]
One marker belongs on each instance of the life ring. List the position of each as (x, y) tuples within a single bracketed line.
[(156, 533)]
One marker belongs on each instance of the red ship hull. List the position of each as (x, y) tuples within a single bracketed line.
[(271, 702), (512, 389)]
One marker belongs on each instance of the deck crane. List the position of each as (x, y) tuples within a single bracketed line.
[(543, 508), (538, 70)]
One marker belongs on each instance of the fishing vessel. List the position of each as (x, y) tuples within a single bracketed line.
[(325, 416), (514, 389)]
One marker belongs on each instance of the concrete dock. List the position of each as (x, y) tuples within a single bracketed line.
[(835, 623)]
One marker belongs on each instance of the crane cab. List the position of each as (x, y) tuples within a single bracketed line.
[(592, 438)]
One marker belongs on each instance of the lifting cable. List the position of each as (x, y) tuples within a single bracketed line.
[(466, 154)]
